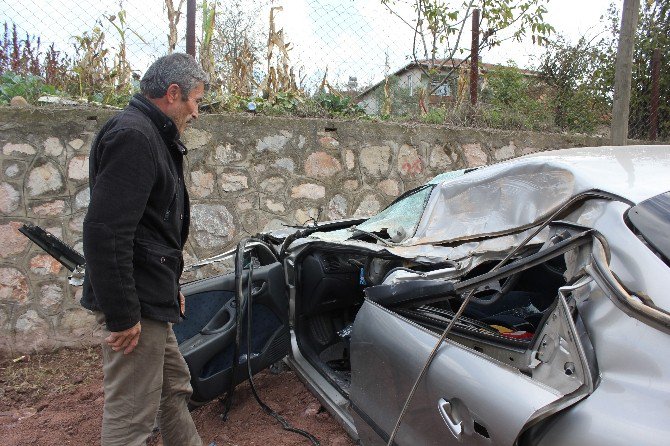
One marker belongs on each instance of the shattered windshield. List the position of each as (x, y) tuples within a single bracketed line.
[(406, 211), (403, 215)]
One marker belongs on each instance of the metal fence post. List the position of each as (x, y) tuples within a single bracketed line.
[(190, 27), (474, 57)]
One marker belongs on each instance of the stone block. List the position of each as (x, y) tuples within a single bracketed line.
[(202, 184), (31, 324), (337, 207), (82, 199), (76, 223), (375, 160), (274, 143), (51, 298), (506, 152), (529, 150), (50, 208), (329, 142), (285, 163), (233, 182), (44, 265), (44, 179), (225, 154), (305, 216), (11, 240), (409, 161), (18, 101), (78, 322), (18, 149), (259, 168), (308, 190), (321, 165), (441, 159), (368, 207), (350, 185), (273, 185), (273, 225), (212, 226), (350, 159), (53, 147), (13, 169), (274, 206), (474, 155), (13, 286), (76, 144), (389, 187), (245, 203), (78, 168), (10, 198), (195, 138)]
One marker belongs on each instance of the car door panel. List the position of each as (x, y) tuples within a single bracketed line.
[(207, 336), (387, 355)]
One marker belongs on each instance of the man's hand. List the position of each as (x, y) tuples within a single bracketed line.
[(182, 305), (125, 340)]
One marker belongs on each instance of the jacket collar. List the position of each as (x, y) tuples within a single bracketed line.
[(166, 127)]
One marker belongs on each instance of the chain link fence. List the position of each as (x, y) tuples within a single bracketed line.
[(301, 57)]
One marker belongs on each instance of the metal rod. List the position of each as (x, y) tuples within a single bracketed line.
[(190, 27), (474, 57), (655, 93)]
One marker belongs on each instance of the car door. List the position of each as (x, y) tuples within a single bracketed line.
[(207, 336), (482, 388)]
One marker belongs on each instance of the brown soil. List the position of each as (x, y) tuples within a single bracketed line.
[(56, 399)]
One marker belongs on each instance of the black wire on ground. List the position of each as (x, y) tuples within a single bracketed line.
[(285, 424)]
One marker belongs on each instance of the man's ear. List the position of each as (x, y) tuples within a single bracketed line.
[(173, 93)]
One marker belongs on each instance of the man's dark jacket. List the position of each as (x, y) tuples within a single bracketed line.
[(138, 218)]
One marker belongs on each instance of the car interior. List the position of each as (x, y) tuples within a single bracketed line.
[(502, 320)]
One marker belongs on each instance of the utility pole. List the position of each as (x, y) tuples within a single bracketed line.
[(190, 27), (624, 71)]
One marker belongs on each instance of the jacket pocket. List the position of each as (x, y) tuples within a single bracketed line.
[(168, 211), (156, 273)]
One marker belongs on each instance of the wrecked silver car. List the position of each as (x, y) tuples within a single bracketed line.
[(521, 303)]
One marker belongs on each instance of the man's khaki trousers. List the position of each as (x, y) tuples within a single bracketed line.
[(153, 376)]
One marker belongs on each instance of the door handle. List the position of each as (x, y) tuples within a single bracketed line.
[(446, 410), (257, 288)]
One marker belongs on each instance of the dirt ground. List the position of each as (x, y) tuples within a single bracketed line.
[(56, 399)]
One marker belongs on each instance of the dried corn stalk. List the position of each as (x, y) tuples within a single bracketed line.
[(280, 77), (173, 20), (241, 80), (205, 52)]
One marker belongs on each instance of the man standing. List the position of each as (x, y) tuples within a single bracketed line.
[(134, 232)]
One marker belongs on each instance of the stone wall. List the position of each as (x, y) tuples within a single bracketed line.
[(245, 174)]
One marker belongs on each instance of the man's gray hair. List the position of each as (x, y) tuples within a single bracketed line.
[(175, 68)]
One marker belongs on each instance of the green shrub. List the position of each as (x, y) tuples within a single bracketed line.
[(29, 86)]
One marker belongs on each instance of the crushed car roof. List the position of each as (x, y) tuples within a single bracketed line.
[(523, 191)]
